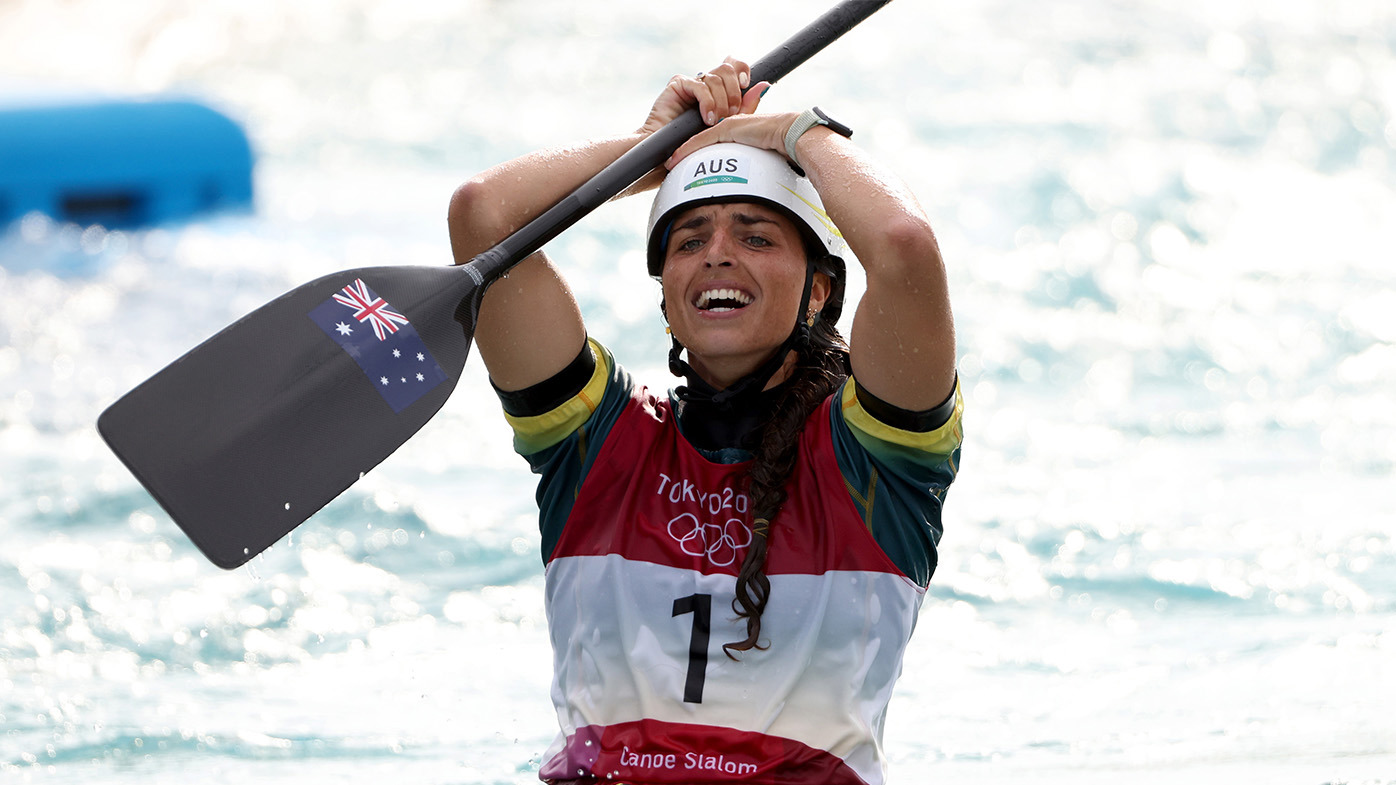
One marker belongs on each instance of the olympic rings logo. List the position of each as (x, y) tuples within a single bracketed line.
[(718, 543)]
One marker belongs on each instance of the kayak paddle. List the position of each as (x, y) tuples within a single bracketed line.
[(254, 430)]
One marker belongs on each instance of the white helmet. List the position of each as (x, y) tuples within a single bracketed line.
[(732, 172)]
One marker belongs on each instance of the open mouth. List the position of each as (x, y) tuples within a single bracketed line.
[(719, 300)]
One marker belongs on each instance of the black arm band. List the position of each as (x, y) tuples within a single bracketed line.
[(905, 419), (552, 392)]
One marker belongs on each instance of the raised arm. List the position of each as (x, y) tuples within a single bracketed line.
[(529, 325), (903, 337)]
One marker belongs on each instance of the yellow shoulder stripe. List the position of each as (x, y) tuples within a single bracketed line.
[(942, 441), (541, 431)]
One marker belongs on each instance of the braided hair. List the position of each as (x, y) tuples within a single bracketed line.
[(821, 366)]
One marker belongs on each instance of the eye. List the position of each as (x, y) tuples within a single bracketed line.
[(758, 241), (689, 245)]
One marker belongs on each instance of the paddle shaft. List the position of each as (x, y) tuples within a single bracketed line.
[(654, 149), (254, 430)]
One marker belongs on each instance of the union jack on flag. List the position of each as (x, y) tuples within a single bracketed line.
[(369, 307)]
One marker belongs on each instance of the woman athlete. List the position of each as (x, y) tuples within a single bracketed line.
[(733, 570)]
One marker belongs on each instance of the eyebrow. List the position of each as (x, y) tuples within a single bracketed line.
[(695, 222), (751, 219), (745, 219)]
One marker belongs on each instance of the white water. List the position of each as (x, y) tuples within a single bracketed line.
[(1169, 556)]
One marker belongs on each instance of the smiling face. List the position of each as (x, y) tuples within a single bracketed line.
[(733, 277)]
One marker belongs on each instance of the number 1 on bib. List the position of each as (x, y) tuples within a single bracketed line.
[(701, 606)]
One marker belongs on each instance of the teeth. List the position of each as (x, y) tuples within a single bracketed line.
[(722, 294)]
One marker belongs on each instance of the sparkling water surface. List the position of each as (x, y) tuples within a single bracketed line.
[(1169, 229)]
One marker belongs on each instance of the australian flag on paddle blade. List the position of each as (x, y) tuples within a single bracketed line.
[(381, 340)]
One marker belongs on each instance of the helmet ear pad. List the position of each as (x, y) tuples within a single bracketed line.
[(833, 267)]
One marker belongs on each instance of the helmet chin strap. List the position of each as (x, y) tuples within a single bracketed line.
[(698, 390)]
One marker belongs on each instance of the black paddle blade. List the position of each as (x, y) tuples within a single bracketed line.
[(256, 429)]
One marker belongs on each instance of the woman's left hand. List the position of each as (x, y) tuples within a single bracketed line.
[(756, 130)]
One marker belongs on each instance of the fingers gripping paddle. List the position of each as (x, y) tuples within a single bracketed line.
[(260, 426)]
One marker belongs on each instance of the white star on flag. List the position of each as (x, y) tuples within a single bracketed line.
[(397, 353), (383, 380), (345, 329)]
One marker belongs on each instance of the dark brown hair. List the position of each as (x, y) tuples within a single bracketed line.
[(821, 366)]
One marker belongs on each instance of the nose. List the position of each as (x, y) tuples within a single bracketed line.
[(719, 250)]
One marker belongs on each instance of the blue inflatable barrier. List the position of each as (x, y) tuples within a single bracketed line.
[(121, 164)]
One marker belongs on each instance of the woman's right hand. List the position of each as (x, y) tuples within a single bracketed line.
[(722, 92)]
